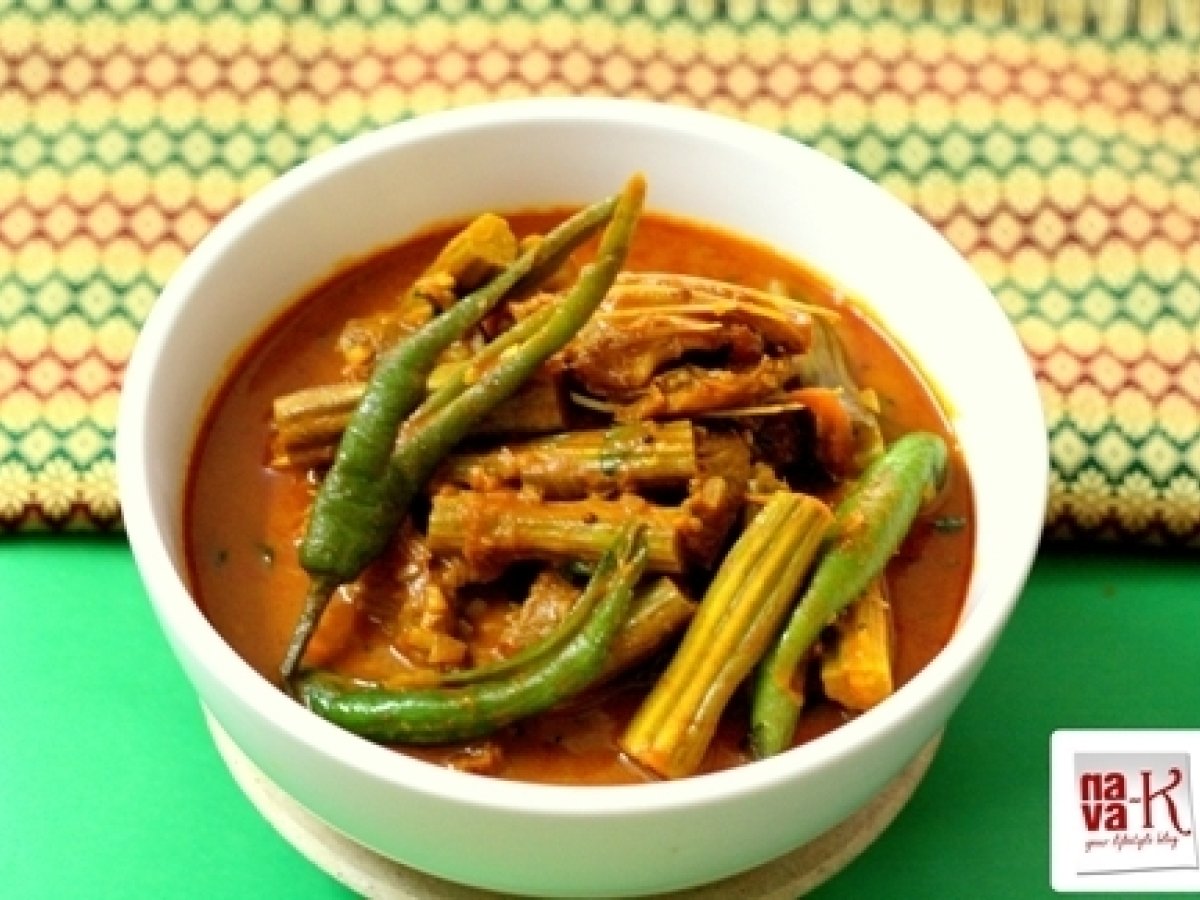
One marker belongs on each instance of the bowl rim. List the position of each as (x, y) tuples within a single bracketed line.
[(179, 613)]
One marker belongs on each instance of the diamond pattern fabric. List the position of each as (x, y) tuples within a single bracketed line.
[(1056, 143)]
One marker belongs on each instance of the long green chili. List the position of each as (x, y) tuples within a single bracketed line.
[(417, 456), (869, 525), (459, 378), (367, 492), (433, 715)]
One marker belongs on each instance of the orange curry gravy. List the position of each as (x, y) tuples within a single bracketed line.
[(243, 519)]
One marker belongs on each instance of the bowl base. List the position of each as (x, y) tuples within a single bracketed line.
[(372, 875)]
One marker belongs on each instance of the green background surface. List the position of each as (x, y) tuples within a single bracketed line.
[(110, 785)]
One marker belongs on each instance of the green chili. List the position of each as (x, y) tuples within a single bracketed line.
[(459, 378), (367, 492), (434, 715), (419, 453), (869, 525)]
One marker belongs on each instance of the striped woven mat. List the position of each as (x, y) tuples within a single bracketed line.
[(1055, 142)]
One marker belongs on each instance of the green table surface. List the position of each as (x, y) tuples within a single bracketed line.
[(111, 787)]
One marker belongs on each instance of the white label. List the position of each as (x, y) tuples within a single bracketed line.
[(1122, 811)]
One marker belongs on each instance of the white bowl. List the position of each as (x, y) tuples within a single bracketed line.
[(579, 841)]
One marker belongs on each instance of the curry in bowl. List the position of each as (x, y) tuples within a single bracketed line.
[(580, 496)]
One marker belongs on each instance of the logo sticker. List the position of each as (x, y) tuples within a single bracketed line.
[(1123, 811)]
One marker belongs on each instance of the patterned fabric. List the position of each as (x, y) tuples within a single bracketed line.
[(1055, 142)]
